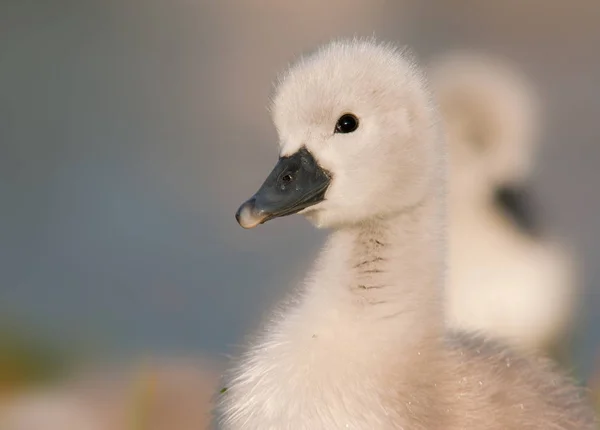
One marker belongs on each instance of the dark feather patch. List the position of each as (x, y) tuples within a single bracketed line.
[(517, 204)]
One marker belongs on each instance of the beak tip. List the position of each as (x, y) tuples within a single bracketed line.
[(246, 215)]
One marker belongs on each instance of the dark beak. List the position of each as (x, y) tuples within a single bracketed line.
[(517, 203), (297, 182)]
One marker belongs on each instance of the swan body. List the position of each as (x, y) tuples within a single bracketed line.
[(363, 343), (507, 277), (169, 393), (49, 411)]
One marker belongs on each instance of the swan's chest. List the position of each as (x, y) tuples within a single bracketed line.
[(313, 377)]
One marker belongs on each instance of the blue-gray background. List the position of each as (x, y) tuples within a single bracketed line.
[(131, 130)]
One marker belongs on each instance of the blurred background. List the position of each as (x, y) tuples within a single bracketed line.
[(130, 131)]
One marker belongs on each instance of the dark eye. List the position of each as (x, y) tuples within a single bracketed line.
[(346, 124)]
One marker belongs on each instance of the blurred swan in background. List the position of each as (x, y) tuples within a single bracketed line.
[(508, 276)]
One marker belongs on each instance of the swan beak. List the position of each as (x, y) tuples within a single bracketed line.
[(296, 183), (517, 203)]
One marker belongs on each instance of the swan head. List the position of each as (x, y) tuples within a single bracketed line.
[(491, 117), (356, 139)]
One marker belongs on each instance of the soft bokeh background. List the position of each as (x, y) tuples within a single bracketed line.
[(131, 130)]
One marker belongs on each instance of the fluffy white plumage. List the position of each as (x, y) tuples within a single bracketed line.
[(363, 344)]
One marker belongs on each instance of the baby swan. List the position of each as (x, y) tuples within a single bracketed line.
[(364, 345), (507, 278)]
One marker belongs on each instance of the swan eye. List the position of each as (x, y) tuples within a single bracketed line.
[(346, 124)]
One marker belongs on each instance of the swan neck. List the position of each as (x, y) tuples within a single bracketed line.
[(389, 268)]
